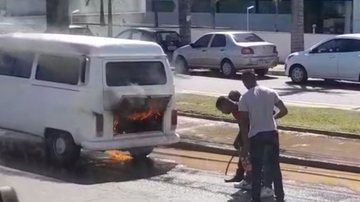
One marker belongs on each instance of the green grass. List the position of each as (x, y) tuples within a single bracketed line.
[(325, 119)]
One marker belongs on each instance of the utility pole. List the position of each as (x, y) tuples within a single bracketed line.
[(110, 19)]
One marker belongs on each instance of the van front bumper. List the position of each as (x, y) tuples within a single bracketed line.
[(128, 143)]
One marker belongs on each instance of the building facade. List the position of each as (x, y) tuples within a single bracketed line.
[(321, 16)]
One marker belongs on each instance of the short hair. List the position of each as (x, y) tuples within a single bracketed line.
[(248, 76), (220, 101), (234, 95)]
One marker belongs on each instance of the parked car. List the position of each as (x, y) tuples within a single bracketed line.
[(227, 52), (337, 58), (80, 30), (70, 92), (169, 40)]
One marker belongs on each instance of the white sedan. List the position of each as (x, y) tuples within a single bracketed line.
[(227, 52), (337, 58)]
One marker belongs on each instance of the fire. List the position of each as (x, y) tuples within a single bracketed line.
[(119, 156), (140, 116)]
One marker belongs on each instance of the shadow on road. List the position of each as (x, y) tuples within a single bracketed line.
[(316, 86), (244, 196), (93, 168), (217, 74), (341, 85)]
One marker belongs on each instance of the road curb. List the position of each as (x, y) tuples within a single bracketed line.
[(288, 159), (285, 128), (276, 73)]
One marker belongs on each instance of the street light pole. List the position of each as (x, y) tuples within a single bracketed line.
[(247, 16)]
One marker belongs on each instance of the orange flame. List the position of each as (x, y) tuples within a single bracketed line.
[(140, 116), (119, 156)]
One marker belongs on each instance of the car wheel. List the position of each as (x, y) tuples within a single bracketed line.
[(181, 66), (8, 194), (141, 153), (228, 69), (61, 149), (261, 72), (298, 74)]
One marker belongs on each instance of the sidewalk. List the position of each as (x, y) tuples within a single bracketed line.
[(303, 148), (279, 70)]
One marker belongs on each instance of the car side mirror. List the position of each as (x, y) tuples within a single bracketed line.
[(315, 50), (193, 45)]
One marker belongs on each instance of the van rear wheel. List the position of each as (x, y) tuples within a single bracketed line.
[(141, 153), (61, 149)]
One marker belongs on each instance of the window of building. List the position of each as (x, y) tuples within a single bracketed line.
[(201, 6), (59, 69), (16, 64), (234, 6), (160, 5), (269, 6)]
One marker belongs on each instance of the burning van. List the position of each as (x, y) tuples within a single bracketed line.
[(94, 93)]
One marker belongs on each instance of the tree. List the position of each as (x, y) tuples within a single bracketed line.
[(184, 9), (57, 15), (297, 30)]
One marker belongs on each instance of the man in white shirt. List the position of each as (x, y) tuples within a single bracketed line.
[(259, 132)]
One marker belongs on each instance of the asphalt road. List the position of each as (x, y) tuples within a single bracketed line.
[(335, 94), (170, 175)]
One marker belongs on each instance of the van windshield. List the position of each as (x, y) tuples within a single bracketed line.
[(135, 73)]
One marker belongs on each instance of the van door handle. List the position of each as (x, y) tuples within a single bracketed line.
[(333, 56), (203, 50), (222, 50)]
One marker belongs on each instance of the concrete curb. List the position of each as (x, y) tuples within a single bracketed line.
[(186, 144), (285, 128), (276, 73)]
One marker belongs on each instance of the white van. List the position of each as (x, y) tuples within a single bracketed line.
[(94, 93)]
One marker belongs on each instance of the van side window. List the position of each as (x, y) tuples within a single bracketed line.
[(17, 64), (59, 69)]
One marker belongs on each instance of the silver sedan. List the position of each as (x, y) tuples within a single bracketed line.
[(227, 52)]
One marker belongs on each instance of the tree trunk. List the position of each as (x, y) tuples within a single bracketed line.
[(213, 13), (276, 16), (297, 30), (184, 9), (57, 16)]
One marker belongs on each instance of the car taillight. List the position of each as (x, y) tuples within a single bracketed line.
[(275, 50), (174, 119), (247, 51), (99, 124)]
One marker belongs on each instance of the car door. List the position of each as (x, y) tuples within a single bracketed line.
[(198, 51), (349, 57), (216, 51), (322, 61), (15, 71)]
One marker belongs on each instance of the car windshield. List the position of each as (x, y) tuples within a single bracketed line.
[(246, 37), (169, 36)]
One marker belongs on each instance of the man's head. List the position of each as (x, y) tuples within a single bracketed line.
[(225, 105), (249, 79), (234, 95)]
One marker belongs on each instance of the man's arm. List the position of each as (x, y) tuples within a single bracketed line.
[(244, 129), (283, 111)]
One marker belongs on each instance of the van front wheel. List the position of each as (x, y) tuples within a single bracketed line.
[(141, 153), (61, 149)]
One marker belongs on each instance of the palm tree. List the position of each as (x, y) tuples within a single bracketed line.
[(276, 2), (184, 9), (297, 30)]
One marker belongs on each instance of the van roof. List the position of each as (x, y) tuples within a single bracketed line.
[(78, 45)]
